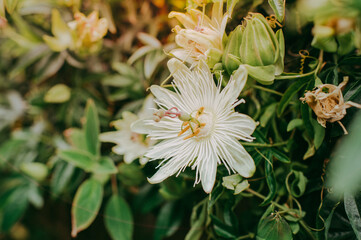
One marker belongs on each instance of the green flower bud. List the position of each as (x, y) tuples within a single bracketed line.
[(259, 46), (231, 56)]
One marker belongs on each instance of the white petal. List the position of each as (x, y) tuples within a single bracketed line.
[(168, 169), (237, 157), (119, 150), (141, 126), (129, 157), (238, 125), (208, 170), (184, 55), (178, 69), (110, 136), (167, 98)]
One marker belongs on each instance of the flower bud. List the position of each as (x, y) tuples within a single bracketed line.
[(259, 46), (231, 56)]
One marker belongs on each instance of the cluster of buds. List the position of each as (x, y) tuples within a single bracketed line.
[(328, 104), (255, 45), (83, 35)]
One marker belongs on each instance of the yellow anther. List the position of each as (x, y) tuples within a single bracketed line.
[(195, 133), (183, 130), (195, 128)]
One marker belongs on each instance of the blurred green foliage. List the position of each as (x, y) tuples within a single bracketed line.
[(57, 180)]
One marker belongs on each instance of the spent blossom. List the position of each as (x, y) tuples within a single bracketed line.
[(328, 104)]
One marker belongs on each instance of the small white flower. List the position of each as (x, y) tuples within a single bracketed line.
[(130, 144), (198, 126)]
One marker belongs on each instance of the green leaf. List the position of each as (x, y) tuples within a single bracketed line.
[(280, 155), (151, 61), (274, 227), (311, 147), (262, 74), (13, 204), (197, 222), (104, 166), (319, 133), (270, 178), (91, 128), (79, 158), (216, 194), (294, 123), (36, 170), (278, 7), (352, 208), (168, 221), (289, 94), (268, 114), (61, 177), (118, 218), (230, 57), (77, 138), (230, 6), (117, 81), (172, 188), (130, 174), (223, 230), (58, 94), (86, 205)]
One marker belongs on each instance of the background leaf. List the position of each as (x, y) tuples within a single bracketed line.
[(118, 218), (86, 205), (91, 128)]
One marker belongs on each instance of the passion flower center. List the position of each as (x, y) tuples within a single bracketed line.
[(200, 123)]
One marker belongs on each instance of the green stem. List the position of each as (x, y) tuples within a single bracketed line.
[(250, 235), (286, 209), (295, 76), (266, 145), (267, 90), (308, 230)]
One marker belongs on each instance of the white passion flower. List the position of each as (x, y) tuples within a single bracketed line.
[(198, 125), (130, 144), (201, 37)]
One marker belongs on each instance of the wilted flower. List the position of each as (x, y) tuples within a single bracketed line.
[(82, 35), (130, 144), (201, 37), (198, 125), (328, 104)]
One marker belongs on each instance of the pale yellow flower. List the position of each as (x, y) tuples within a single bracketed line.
[(201, 36), (88, 30), (83, 35)]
